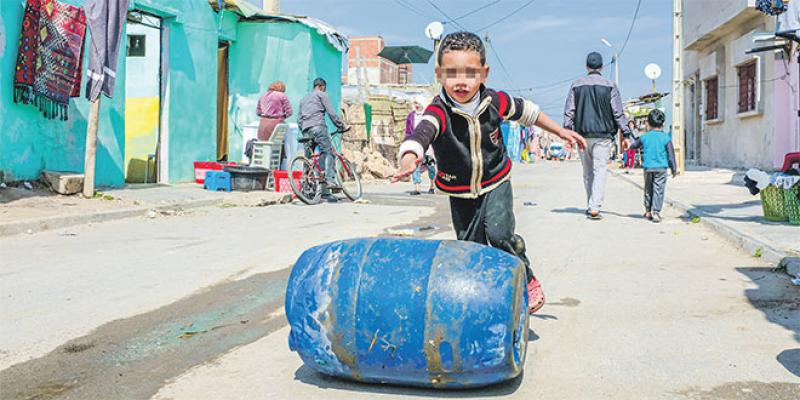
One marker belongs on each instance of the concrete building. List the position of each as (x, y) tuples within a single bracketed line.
[(741, 108), (375, 70)]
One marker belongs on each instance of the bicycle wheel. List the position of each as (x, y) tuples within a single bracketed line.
[(348, 178), (309, 187)]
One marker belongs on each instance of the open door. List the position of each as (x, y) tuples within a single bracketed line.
[(142, 97), (222, 102)]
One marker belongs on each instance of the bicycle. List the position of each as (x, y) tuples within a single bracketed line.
[(308, 188)]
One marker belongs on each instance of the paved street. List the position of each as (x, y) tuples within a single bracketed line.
[(191, 307)]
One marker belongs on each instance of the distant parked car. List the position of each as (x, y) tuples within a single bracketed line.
[(556, 151)]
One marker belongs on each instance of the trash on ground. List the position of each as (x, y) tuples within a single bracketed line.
[(696, 220), (409, 231), (28, 185), (529, 204), (362, 201)]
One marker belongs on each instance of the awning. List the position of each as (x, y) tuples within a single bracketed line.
[(406, 54), (788, 23), (249, 11)]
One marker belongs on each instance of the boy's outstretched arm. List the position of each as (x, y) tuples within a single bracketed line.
[(571, 137), (412, 151), (528, 113)]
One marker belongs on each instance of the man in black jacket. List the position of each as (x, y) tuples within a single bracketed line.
[(594, 109)]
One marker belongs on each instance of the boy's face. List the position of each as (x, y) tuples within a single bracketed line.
[(462, 74)]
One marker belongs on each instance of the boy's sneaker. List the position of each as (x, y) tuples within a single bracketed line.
[(656, 217), (535, 296), (431, 191)]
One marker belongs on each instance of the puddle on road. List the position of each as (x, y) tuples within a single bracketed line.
[(133, 357)]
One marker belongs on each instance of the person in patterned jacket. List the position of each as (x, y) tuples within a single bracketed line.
[(462, 125)]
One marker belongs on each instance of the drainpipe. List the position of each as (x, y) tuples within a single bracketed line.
[(272, 6)]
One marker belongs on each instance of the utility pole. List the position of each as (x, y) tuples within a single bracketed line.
[(678, 134)]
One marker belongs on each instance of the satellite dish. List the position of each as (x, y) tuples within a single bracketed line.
[(652, 71), (434, 30)]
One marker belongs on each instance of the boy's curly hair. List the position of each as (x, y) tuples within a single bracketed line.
[(462, 41)]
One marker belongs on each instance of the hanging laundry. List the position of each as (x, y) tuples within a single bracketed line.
[(50, 58), (106, 19)]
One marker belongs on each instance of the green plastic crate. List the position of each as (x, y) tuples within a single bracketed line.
[(773, 204), (791, 204)]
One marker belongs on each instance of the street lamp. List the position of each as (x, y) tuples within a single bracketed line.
[(614, 60)]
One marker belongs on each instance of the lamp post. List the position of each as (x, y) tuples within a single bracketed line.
[(615, 60)]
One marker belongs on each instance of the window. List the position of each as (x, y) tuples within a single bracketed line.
[(747, 87), (712, 99), (136, 46)]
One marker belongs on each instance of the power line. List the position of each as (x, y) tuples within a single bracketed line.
[(450, 19), (413, 9), (630, 30), (548, 86), (507, 16), (474, 11), (500, 61)]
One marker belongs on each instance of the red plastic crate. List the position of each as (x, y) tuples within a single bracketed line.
[(282, 180), (201, 167)]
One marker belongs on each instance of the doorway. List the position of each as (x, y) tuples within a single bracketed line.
[(222, 101), (142, 97), (694, 122)]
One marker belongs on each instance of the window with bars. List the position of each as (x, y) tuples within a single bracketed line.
[(747, 87), (712, 99)]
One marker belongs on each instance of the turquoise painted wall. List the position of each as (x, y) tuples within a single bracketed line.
[(191, 82), (261, 52), (30, 143), (268, 51)]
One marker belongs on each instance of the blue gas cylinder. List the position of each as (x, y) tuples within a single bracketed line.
[(441, 314)]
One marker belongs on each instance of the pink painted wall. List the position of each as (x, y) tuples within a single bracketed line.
[(787, 121)]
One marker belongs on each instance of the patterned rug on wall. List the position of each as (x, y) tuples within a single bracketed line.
[(50, 58)]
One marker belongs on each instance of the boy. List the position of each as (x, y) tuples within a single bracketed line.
[(658, 154), (462, 124)]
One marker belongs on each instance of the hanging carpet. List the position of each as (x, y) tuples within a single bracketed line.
[(49, 62)]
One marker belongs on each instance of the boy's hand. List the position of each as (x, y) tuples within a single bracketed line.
[(408, 164), (573, 138)]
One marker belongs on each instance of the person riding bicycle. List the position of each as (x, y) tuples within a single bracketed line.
[(311, 121)]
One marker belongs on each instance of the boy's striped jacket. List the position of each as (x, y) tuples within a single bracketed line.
[(470, 153)]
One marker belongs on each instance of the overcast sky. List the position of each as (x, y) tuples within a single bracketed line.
[(544, 43)]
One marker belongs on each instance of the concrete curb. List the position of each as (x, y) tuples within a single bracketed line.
[(43, 224), (743, 241)]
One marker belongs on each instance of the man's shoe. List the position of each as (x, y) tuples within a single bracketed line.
[(415, 193), (656, 217), (535, 296), (595, 215), (648, 216), (431, 191)]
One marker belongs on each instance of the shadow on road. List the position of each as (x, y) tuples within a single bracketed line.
[(779, 300), (309, 376)]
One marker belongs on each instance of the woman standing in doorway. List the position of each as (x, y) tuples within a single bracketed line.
[(273, 108)]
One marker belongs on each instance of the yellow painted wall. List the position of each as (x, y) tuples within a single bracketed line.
[(141, 137)]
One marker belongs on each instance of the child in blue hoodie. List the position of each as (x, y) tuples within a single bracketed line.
[(658, 155)]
